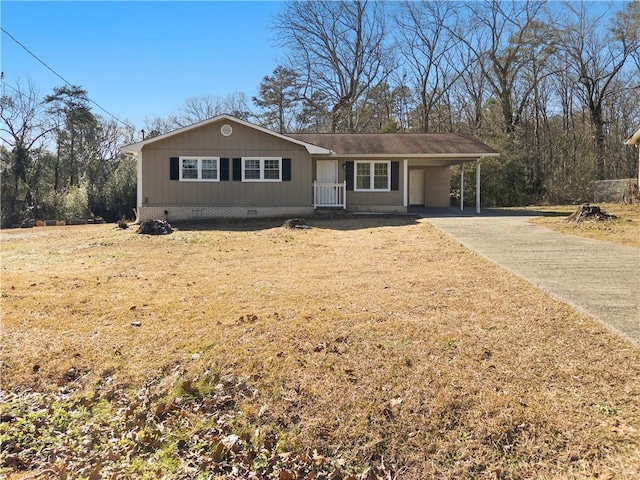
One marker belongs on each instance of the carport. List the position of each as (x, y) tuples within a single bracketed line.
[(425, 161)]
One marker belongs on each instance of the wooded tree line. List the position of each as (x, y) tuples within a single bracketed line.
[(553, 86), (61, 161)]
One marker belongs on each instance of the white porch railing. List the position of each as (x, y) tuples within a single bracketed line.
[(329, 195)]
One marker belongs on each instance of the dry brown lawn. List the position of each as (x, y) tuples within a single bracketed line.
[(361, 343), (624, 230)]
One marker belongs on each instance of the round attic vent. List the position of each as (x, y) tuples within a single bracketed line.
[(226, 130)]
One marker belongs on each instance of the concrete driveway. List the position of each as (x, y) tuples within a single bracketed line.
[(599, 278)]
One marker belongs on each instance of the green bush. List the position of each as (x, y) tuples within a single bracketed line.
[(70, 203)]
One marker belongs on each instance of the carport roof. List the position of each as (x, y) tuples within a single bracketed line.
[(399, 144)]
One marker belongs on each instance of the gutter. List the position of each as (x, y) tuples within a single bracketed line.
[(437, 156)]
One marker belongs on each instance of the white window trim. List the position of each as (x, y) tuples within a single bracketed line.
[(199, 169), (262, 160), (371, 176)]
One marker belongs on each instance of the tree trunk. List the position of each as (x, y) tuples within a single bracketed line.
[(597, 122)]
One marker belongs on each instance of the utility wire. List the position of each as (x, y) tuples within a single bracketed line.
[(63, 79), (22, 94), (13, 88)]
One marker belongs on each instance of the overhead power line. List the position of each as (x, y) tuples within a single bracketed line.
[(62, 78)]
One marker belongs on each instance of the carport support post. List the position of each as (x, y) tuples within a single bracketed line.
[(478, 185), (462, 187)]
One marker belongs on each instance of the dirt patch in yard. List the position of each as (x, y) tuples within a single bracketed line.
[(375, 343)]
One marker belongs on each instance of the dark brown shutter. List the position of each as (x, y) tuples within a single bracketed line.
[(237, 169), (224, 169), (286, 169), (174, 168), (395, 175), (349, 175)]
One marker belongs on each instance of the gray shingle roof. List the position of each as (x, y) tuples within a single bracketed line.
[(396, 143)]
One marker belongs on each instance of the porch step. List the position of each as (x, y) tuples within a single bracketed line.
[(330, 212)]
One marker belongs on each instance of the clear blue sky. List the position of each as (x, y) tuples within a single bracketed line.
[(141, 58)]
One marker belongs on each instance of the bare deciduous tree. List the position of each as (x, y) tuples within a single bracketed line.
[(339, 49), (197, 109), (507, 35), (427, 45), (595, 58), (24, 128)]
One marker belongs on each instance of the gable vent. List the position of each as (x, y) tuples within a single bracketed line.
[(226, 130)]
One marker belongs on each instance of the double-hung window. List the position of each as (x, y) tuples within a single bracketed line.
[(373, 176), (255, 169), (199, 169)]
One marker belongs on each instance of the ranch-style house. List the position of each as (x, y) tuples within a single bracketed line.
[(226, 167)]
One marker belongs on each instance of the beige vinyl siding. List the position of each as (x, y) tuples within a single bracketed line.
[(358, 199), (159, 190), (437, 186)]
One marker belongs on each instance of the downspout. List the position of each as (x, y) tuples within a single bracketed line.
[(139, 184)]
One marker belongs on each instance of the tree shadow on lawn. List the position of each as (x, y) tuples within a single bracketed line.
[(554, 213), (343, 222), (355, 221)]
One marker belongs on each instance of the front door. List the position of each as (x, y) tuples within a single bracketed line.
[(416, 187), (327, 171), (327, 178)]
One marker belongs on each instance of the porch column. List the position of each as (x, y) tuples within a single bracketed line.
[(405, 183), (462, 186), (478, 186)]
